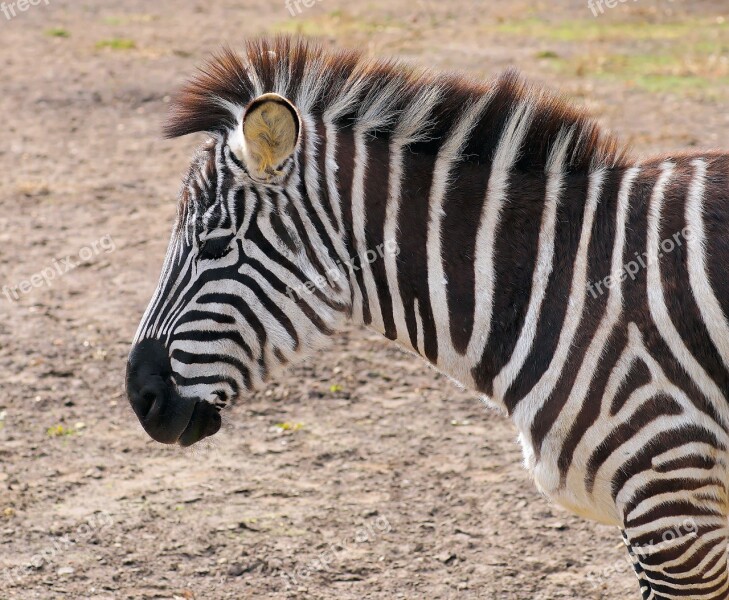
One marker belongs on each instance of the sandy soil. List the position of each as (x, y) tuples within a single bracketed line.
[(385, 481)]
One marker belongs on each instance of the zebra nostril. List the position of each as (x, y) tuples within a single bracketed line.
[(147, 373), (148, 398)]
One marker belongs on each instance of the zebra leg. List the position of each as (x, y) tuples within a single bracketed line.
[(645, 587), (680, 557)]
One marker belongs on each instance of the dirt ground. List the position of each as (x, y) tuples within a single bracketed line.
[(359, 474)]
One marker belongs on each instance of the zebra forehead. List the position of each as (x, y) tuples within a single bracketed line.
[(386, 98)]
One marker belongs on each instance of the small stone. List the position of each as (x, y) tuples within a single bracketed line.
[(236, 570), (65, 571), (92, 473)]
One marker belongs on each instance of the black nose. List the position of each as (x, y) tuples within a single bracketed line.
[(165, 415)]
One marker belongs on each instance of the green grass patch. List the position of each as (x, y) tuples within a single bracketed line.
[(598, 31), (60, 431), (58, 32), (674, 84), (546, 54), (335, 23), (116, 44), (656, 73), (289, 426), (688, 58)]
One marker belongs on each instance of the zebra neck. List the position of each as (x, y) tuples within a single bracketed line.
[(484, 260)]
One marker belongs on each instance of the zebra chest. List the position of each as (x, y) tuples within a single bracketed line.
[(605, 442), (570, 493)]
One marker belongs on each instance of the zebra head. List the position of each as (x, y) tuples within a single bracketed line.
[(243, 289)]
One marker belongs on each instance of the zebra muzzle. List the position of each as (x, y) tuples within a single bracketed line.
[(165, 415)]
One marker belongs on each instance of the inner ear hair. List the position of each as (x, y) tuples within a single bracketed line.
[(270, 130)]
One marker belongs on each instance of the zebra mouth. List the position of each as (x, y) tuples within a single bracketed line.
[(204, 422), (173, 419), (165, 415)]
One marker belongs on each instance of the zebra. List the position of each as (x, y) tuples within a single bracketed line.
[(489, 228)]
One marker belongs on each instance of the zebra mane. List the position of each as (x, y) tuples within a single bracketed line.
[(386, 99)]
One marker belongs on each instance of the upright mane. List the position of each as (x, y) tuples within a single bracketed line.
[(375, 95)]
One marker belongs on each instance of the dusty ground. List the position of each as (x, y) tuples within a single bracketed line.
[(385, 482)]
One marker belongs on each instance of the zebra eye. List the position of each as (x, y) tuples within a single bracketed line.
[(215, 248)]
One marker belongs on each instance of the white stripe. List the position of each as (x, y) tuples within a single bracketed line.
[(392, 211), (419, 346), (178, 306), (450, 154), (205, 390), (146, 326), (411, 128), (350, 94), (359, 224), (575, 303), (376, 112), (708, 490), (316, 243), (571, 409), (332, 168), (505, 156), (314, 80), (657, 303), (542, 269), (709, 306), (338, 291), (176, 292)]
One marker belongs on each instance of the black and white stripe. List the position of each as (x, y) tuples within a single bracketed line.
[(507, 210)]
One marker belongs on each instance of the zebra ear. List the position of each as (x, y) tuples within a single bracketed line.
[(267, 135)]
